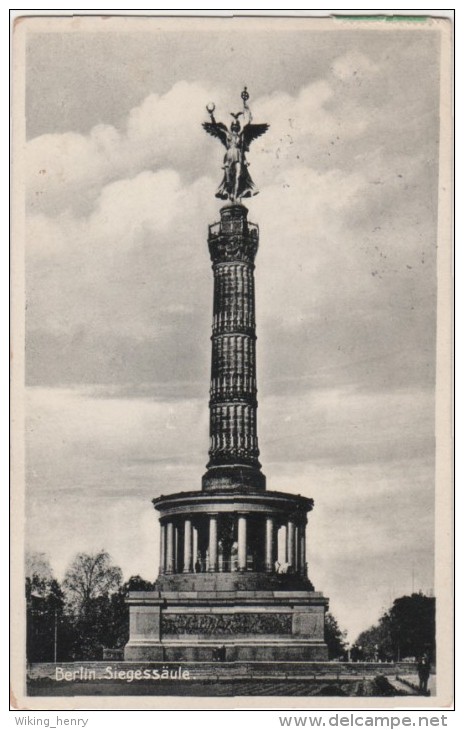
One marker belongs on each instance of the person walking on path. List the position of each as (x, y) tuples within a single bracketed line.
[(423, 670)]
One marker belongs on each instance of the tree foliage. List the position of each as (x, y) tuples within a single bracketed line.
[(374, 645), (90, 577), (407, 629), (411, 623), (38, 572), (49, 632), (335, 638)]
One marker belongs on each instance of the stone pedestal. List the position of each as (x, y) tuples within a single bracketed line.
[(265, 625)]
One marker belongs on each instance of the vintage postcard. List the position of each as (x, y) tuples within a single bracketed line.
[(211, 215)]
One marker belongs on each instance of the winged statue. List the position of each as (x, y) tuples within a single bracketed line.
[(237, 182)]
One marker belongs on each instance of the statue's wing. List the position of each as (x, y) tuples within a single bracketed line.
[(251, 132), (217, 129)]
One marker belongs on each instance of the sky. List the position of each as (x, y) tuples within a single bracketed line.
[(121, 182)]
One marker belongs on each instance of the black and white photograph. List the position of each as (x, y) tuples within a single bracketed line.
[(232, 361)]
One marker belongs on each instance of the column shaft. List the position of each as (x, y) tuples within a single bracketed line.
[(213, 547), (296, 549), (303, 550), (242, 543), (169, 548), (162, 563), (176, 549), (233, 244), (188, 546), (195, 548), (290, 543), (270, 552)]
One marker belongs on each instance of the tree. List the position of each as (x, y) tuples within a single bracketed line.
[(49, 633), (407, 629), (38, 572), (335, 638), (411, 624), (90, 582), (90, 577), (40, 611), (374, 645)]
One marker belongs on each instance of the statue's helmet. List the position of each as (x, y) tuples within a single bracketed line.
[(235, 126)]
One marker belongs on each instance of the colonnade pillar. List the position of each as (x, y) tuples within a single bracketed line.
[(242, 542), (162, 561), (271, 545), (169, 548), (177, 563), (290, 547), (188, 557), (303, 551), (213, 544), (296, 550), (194, 546)]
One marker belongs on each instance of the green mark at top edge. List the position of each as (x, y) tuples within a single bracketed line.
[(385, 18)]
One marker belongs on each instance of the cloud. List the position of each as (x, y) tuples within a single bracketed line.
[(67, 171)]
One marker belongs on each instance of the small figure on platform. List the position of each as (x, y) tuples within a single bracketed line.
[(237, 182)]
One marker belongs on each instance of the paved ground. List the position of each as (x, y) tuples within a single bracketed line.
[(412, 681)]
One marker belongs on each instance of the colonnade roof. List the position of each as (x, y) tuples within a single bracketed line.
[(233, 500)]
